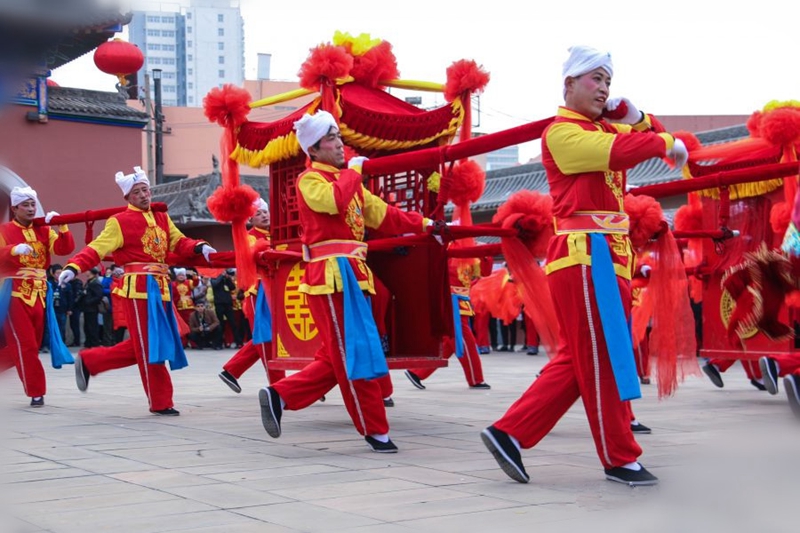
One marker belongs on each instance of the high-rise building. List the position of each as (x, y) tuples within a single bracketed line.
[(198, 48)]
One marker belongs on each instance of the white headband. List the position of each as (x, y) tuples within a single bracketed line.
[(20, 194), (127, 181), (261, 205), (180, 271), (312, 128), (583, 59)]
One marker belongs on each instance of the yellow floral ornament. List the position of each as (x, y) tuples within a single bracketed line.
[(434, 181), (358, 45)]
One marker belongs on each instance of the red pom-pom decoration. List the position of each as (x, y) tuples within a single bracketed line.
[(325, 64), (754, 124), (227, 106), (689, 139), (467, 180), (689, 217), (781, 127), (232, 204), (646, 218), (464, 76), (532, 213), (376, 65)]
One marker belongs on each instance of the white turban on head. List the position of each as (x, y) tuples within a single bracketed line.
[(312, 128), (583, 59), (180, 271), (261, 205), (20, 194), (127, 181)]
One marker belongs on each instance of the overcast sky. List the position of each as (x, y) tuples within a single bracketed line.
[(671, 58)]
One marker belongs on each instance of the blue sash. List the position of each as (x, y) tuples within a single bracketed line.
[(59, 353), (163, 339), (364, 358), (458, 332), (262, 318), (612, 316), (5, 300)]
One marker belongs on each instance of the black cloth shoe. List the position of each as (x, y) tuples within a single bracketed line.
[(414, 379), (37, 402), (380, 447), (633, 478), (505, 453), (484, 386), (230, 381), (169, 411), (388, 402), (502, 349), (792, 385), (769, 371), (81, 374), (644, 380), (713, 374), (322, 398), (641, 429), (757, 384), (271, 411), (534, 350)]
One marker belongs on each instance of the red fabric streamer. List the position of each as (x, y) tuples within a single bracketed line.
[(463, 77), (672, 339), (646, 219), (497, 294), (532, 214), (325, 63)]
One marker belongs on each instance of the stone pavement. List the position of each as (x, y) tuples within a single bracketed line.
[(99, 462)]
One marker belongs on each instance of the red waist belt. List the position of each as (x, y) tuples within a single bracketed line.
[(586, 222), (326, 249), (154, 269)]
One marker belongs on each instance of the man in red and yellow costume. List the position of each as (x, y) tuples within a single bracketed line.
[(461, 273), (182, 289), (335, 211), (589, 264), (251, 352), (139, 239), (25, 252)]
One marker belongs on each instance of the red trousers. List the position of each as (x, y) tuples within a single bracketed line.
[(787, 363), (751, 368), (470, 360), (642, 355), (134, 351), (23, 332), (481, 322), (531, 335), (581, 369), (250, 353), (363, 399)]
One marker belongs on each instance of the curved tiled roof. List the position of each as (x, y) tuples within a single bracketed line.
[(84, 103)]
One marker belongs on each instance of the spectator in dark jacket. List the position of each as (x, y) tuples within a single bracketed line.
[(204, 327), (77, 292), (91, 308), (224, 288), (62, 300)]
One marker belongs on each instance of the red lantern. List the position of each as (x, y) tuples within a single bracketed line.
[(119, 58)]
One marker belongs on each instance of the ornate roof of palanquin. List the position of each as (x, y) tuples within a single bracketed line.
[(51, 33)]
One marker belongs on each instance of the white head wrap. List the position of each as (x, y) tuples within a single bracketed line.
[(261, 204), (180, 271), (583, 59), (312, 128), (127, 181), (20, 194)]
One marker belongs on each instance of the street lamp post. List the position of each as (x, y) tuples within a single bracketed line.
[(159, 128)]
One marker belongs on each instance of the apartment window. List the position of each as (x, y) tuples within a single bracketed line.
[(154, 60), (191, 99), (220, 18), (168, 47), (221, 32), (189, 43), (188, 29), (221, 73), (168, 33), (168, 60), (153, 46), (189, 15), (190, 72), (169, 88), (169, 75), (190, 57), (168, 20), (220, 46), (154, 33), (190, 85), (153, 19), (221, 60)]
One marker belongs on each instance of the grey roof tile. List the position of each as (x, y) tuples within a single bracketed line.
[(91, 104)]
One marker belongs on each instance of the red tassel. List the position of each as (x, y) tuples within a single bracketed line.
[(325, 64)]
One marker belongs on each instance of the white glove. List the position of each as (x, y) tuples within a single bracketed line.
[(633, 116), (356, 163), (49, 216), (206, 250), (645, 270), (679, 154), (66, 276), (22, 249)]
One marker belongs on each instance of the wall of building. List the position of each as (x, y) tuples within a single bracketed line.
[(70, 164)]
